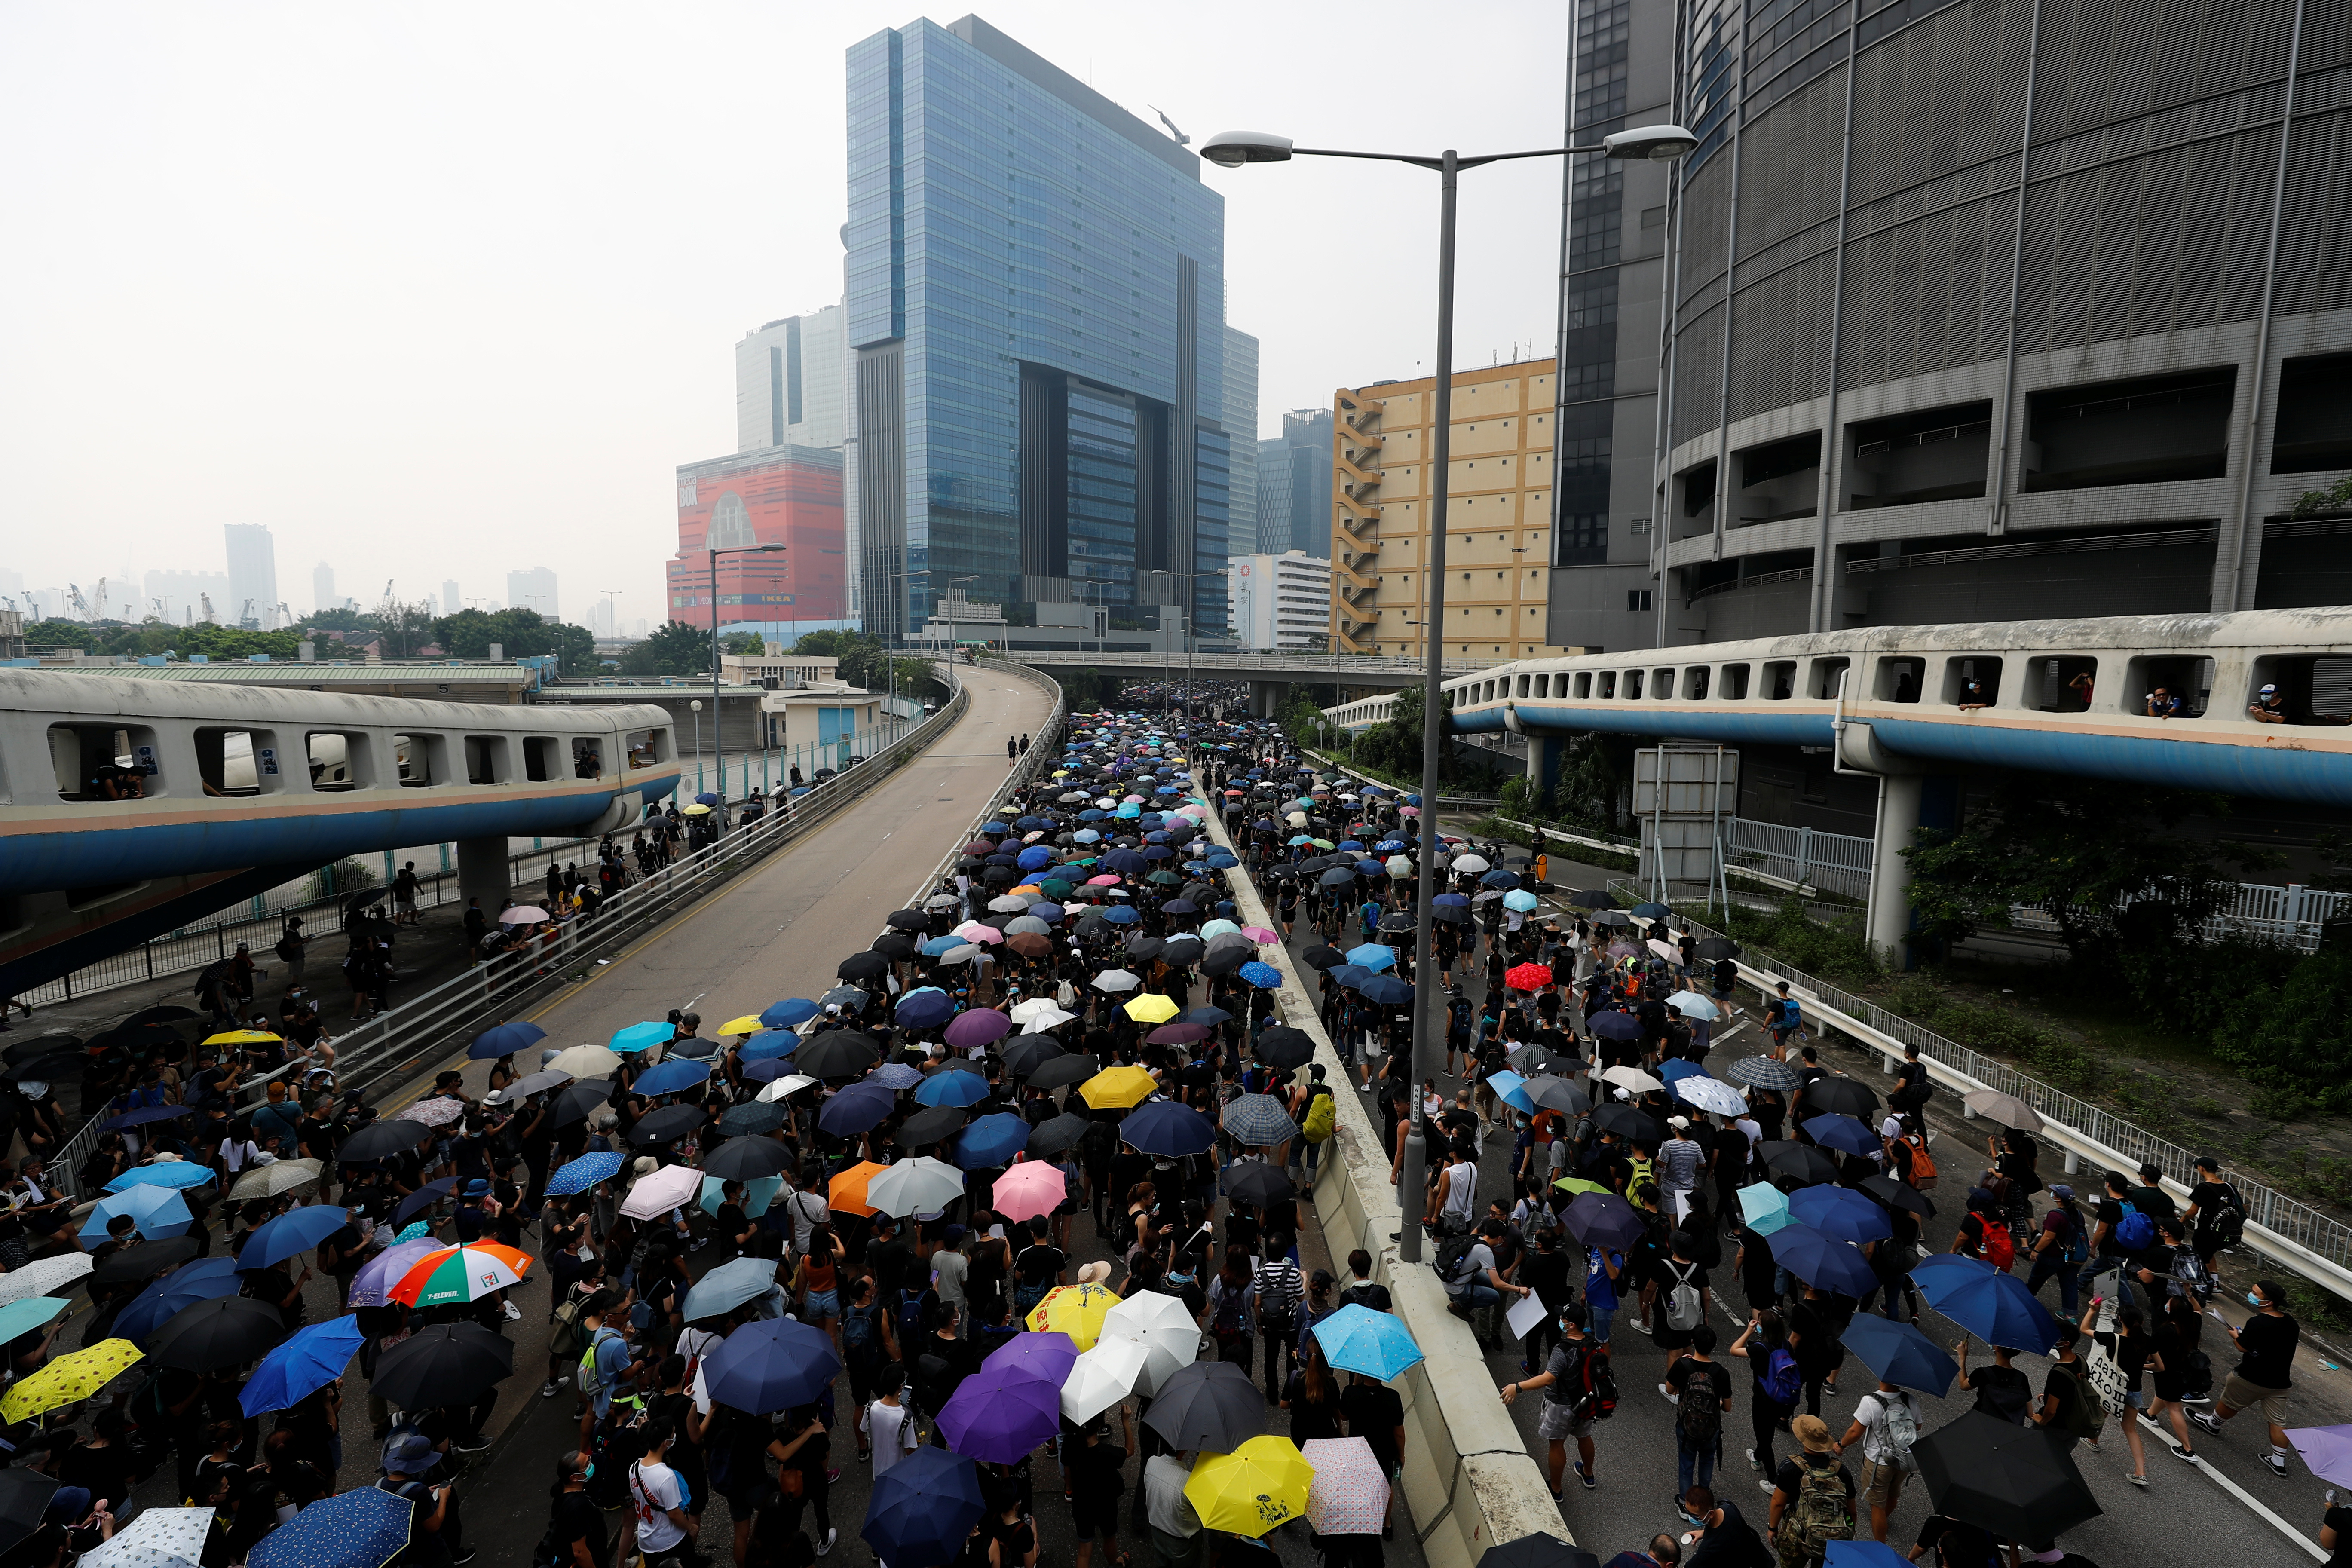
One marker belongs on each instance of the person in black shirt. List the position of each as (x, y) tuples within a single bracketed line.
[(1955, 1544), (1362, 1289), (1094, 1466), (2266, 1369), (2001, 1389), (1037, 1269), (576, 1530)]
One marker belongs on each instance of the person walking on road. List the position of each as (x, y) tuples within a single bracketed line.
[(2266, 1369), (1570, 1385)]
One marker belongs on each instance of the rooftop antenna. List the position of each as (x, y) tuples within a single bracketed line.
[(1181, 139)]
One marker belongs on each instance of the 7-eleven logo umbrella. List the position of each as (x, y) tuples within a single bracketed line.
[(465, 1273)]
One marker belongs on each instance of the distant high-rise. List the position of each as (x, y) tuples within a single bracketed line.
[(451, 601), (322, 589), (788, 379), (1078, 449), (776, 495), (182, 595), (532, 589), (1241, 420), (252, 575), (1294, 485)]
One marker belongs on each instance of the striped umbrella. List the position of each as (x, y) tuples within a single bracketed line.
[(466, 1273), (1763, 1072)]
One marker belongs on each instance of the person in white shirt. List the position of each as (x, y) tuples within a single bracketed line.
[(1171, 1513), (658, 1499), (889, 1425), (808, 1210), (948, 1268), (1885, 1423)]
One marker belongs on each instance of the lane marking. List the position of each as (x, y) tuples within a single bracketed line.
[(2318, 1552)]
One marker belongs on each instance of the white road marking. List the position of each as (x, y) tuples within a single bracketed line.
[(2318, 1552)]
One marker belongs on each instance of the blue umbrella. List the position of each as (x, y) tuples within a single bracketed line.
[(1499, 877), (1351, 975), (770, 1365), (672, 1076), (159, 1213), (1358, 1339), (422, 1198), (1520, 898), (952, 1088), (1164, 1127), (1045, 911), (302, 1365), (792, 1010), (364, 1528), (202, 1280), (295, 1231), (1841, 1212), (1372, 955), (1765, 1208), (857, 1109), (1900, 1354), (579, 1175), (940, 944), (505, 1040), (1350, 844), (728, 1286), (992, 1141), (769, 1045), (1450, 902), (1864, 1555), (1265, 976), (1213, 1016), (26, 1313), (767, 1071), (146, 1114), (1994, 1307), (925, 1009), (1838, 1132), (642, 1036), (1121, 915), (1036, 857), (1385, 989), (1822, 1261), (164, 1173), (1512, 1089), (707, 797), (1679, 1068), (923, 1508)]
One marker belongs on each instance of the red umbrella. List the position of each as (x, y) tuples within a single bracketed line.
[(1527, 977)]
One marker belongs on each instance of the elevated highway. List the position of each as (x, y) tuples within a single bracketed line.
[(128, 807), (1267, 673)]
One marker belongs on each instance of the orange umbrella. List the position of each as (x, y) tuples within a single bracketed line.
[(847, 1192)]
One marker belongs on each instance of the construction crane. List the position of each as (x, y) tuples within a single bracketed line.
[(285, 615), (81, 606), (206, 600), (1181, 139)]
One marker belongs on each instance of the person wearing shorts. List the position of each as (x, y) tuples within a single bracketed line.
[(1566, 1413), (2266, 1342), (1093, 1463)]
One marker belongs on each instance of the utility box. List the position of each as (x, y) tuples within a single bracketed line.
[(1686, 797)]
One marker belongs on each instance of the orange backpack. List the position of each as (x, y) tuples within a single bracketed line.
[(1923, 1169)]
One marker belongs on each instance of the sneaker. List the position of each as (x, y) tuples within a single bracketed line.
[(514, 1314), (2139, 1481), (2202, 1422), (1668, 1390), (1753, 1462), (2187, 1455), (832, 1476), (830, 1536), (2277, 1464), (549, 1389), (466, 1556), (1769, 1487), (1586, 1477), (473, 1444)]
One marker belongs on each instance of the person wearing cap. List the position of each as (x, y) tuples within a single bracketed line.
[(2268, 707), (408, 1457)]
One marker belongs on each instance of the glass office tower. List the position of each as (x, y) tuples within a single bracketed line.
[(1036, 308)]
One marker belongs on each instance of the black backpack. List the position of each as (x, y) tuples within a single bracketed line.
[(1452, 1259), (2229, 1226)]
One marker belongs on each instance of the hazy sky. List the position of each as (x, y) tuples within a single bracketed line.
[(440, 290)]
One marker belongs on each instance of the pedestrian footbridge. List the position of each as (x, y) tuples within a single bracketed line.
[(128, 807)]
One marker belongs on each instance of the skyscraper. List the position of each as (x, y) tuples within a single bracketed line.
[(252, 575), (322, 589), (788, 382), (533, 590), (1294, 485), (1036, 315), (1241, 425), (451, 600)]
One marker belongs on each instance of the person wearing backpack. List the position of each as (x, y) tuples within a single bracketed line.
[(1885, 1423), (1683, 1305), (1702, 1392), (2216, 1216), (1812, 1497), (1578, 1390), (867, 1344), (1775, 1381), (2120, 1232), (2069, 1412), (1321, 1118), (2061, 1247)]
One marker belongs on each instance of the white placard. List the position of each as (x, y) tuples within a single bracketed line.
[(1525, 1315)]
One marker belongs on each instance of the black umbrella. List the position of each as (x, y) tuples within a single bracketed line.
[(1605, 1220), (927, 1126), (747, 1160), (1897, 1195), (446, 1365), (1537, 1552), (667, 1125), (1842, 1096), (579, 1102), (1145, 947), (1558, 1094), (380, 1140), (1713, 948), (849, 999), (57, 1066), (42, 1046), (1535, 1060), (909, 920), (146, 1261), (752, 1117), (1802, 1161), (1284, 1047), (1182, 950), (215, 1335), (837, 1053), (422, 1198), (1050, 1138), (1028, 1052), (868, 965), (1208, 1405), (1594, 899), (896, 945), (1256, 1184), (23, 1499), (1227, 960), (1062, 1070), (1633, 1126), (2015, 1483), (1396, 921)]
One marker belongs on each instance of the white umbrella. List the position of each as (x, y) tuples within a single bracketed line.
[(438, 1112), (42, 1275), (1021, 1011), (1103, 1375), (1633, 1078), (1471, 863), (539, 1082), (586, 1062), (268, 1181), (1170, 1338), (661, 1191), (920, 1185), (1665, 949), (1116, 979), (1039, 1022), (157, 1538), (1712, 1095), (1691, 1005), (791, 1083), (1400, 866)]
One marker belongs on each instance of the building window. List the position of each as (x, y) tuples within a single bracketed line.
[(1637, 600)]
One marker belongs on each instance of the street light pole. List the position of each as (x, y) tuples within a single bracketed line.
[(718, 712), (1232, 149)]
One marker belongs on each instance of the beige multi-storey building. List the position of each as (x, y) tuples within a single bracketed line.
[(1498, 518)]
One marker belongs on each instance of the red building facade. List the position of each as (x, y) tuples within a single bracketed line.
[(779, 495)]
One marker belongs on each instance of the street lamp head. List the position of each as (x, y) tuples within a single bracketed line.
[(770, 548), (1232, 149), (696, 705), (1651, 143)]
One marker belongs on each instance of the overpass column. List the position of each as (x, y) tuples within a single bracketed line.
[(1265, 698), (482, 873), (1899, 797), (1544, 755)]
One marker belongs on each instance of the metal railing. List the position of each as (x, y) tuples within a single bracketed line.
[(2293, 916), (432, 1022), (1839, 862), (1309, 668), (1044, 751)]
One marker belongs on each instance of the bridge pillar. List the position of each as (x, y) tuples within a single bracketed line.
[(1899, 796), (1265, 698), (1545, 753), (482, 873)]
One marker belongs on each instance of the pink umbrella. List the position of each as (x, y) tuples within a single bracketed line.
[(1350, 1495), (984, 935), (1029, 1189), (1133, 800), (521, 915), (1259, 934), (1102, 882)]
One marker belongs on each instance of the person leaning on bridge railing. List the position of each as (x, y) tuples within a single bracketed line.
[(2269, 708)]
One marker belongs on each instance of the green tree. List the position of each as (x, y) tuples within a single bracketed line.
[(674, 648), (518, 634)]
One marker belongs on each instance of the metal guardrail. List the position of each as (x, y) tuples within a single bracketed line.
[(2298, 1234), (1044, 751), (1308, 670), (432, 1021)]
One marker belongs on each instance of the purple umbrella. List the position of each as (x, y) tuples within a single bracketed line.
[(1000, 1416), (979, 1026), (384, 1270), (1046, 1356), (2326, 1450)]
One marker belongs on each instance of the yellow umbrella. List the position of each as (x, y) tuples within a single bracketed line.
[(243, 1038), (746, 1025), (1151, 1008), (69, 1378), (1259, 1485), (1119, 1088), (697, 809), (1076, 1310)]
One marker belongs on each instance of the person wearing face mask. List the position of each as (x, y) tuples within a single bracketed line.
[(575, 1533), (2266, 1369), (1571, 1398)]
